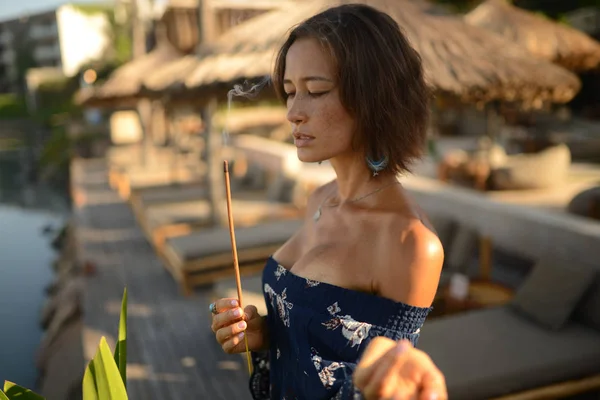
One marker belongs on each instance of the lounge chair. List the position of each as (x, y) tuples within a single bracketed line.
[(185, 213), (205, 256), (545, 169), (131, 167), (121, 158), (459, 243), (540, 346), (141, 177), (162, 221), (141, 199), (281, 159)]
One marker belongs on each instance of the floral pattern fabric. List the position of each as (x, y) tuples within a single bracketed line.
[(318, 332)]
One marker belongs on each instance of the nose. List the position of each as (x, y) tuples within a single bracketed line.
[(296, 113)]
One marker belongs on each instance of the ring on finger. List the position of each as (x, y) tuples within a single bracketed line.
[(213, 308)]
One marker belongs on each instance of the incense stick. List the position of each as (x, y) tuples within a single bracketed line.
[(234, 251)]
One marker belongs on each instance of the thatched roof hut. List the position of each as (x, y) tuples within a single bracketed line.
[(170, 76), (176, 35), (544, 38), (459, 59), (125, 82)]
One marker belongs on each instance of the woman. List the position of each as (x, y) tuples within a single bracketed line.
[(349, 292)]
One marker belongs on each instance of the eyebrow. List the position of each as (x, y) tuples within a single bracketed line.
[(310, 78)]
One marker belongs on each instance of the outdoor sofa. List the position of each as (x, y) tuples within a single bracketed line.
[(544, 344)]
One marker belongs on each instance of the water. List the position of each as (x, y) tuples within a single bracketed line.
[(25, 268)]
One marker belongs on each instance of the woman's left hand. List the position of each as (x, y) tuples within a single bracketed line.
[(397, 371)]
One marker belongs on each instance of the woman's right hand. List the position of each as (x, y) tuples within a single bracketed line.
[(230, 325)]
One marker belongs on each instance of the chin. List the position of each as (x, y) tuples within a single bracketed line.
[(308, 156)]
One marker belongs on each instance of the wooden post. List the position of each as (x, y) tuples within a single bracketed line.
[(144, 108), (485, 257), (214, 164), (206, 18), (170, 138), (491, 122), (139, 31)]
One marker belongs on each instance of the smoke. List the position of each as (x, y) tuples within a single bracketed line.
[(247, 90)]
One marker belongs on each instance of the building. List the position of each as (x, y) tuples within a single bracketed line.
[(64, 38)]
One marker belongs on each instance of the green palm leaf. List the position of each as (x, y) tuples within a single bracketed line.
[(121, 348), (16, 392)]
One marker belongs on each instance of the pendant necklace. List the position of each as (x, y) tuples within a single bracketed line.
[(317, 214)]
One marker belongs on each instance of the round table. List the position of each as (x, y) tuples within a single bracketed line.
[(482, 294)]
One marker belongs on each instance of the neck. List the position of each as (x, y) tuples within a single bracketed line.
[(354, 178)]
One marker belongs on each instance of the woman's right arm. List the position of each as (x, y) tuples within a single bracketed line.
[(230, 325)]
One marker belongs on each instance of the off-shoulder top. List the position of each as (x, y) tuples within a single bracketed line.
[(318, 332)]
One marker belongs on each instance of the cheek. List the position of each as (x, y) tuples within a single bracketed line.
[(334, 121), (327, 118)]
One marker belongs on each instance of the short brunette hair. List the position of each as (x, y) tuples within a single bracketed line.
[(380, 78)]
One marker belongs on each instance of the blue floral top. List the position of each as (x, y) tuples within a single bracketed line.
[(318, 332)]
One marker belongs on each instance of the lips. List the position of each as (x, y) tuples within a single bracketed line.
[(302, 136), (302, 139)]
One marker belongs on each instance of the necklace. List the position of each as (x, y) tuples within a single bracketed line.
[(317, 214)]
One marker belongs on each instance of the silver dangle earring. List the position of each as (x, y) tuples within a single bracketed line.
[(377, 166)]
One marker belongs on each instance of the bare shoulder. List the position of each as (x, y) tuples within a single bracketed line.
[(412, 271), (420, 244)]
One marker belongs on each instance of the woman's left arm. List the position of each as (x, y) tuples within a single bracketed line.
[(396, 370), (412, 272), (392, 369)]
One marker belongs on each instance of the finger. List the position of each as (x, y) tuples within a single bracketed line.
[(225, 304), (377, 348), (235, 344), (434, 386), (386, 391), (250, 312), (226, 333), (226, 318), (365, 368), (386, 379), (376, 386), (403, 395), (253, 318)]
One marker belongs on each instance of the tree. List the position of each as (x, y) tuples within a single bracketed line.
[(24, 58)]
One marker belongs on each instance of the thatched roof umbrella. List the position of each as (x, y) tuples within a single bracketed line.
[(124, 86), (169, 80), (459, 59), (125, 83), (170, 75), (549, 40)]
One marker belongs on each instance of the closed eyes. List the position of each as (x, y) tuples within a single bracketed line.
[(311, 94)]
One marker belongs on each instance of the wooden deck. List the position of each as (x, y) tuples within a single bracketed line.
[(171, 349)]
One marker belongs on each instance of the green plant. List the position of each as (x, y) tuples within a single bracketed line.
[(14, 391), (105, 377), (12, 106), (10, 143)]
